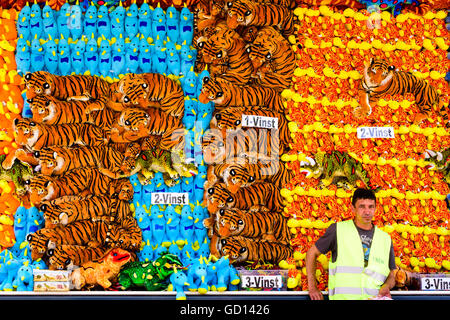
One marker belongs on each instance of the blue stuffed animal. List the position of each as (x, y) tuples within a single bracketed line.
[(36, 21), (145, 56), (147, 190), (172, 58), (75, 22), (143, 218), (178, 280), (23, 58), (90, 21), (50, 56), (199, 183), (159, 23), (77, 56), (137, 189), (103, 22), (190, 112), (131, 20), (49, 25), (132, 55), (173, 227), (24, 280), (187, 224), (188, 55), (20, 224), (117, 17), (159, 183), (200, 231), (226, 274), (91, 56), (23, 23), (159, 227), (159, 56), (64, 65), (11, 265), (145, 20), (35, 220), (37, 62), (176, 187), (189, 83), (187, 185), (197, 276), (204, 116), (63, 19), (118, 57), (104, 58), (147, 252), (186, 25), (173, 23)]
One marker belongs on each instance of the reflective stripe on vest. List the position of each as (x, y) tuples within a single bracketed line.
[(348, 279)]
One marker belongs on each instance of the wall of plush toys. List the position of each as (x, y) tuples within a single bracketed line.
[(156, 145)]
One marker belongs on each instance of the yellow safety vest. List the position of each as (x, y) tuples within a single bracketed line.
[(348, 279)]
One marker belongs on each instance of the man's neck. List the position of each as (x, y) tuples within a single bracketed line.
[(364, 226)]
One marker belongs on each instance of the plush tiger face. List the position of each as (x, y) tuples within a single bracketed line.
[(60, 258), (38, 83), (218, 197), (216, 47), (27, 131), (54, 215), (229, 222), (237, 251), (212, 90), (49, 160), (128, 165), (135, 122), (40, 188), (240, 13), (38, 245), (261, 52), (238, 176), (377, 73), (228, 120), (122, 189), (42, 107), (135, 89), (213, 146)]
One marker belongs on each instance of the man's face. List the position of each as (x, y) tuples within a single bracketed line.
[(364, 210)]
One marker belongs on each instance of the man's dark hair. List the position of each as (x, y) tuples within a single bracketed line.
[(361, 193)]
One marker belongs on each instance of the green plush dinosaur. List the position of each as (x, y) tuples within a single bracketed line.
[(335, 168), (18, 174), (439, 161), (153, 275)]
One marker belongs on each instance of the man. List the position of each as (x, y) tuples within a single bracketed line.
[(362, 256)]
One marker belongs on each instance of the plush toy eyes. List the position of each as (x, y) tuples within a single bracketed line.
[(28, 76), (242, 250), (144, 85), (268, 56), (127, 122), (47, 103), (391, 68), (211, 190), (126, 99), (218, 116), (68, 262), (46, 86), (230, 199), (249, 49), (247, 13), (251, 179), (240, 222), (221, 144), (219, 55), (30, 100), (36, 154), (237, 122), (205, 79), (232, 172), (221, 211), (219, 94), (223, 242), (43, 207)]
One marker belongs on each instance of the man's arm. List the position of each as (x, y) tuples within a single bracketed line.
[(385, 290), (311, 266)]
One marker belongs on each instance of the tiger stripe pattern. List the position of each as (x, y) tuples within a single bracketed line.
[(66, 257)]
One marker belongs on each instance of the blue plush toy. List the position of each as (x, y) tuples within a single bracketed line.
[(187, 224), (23, 22), (35, 220), (159, 57), (36, 21), (117, 17), (104, 58), (204, 116), (20, 224), (189, 83), (77, 56), (147, 190), (199, 183), (91, 57), (118, 57), (24, 280), (103, 22), (190, 112), (200, 231), (63, 19), (159, 23), (131, 20), (176, 187), (186, 25), (137, 189), (75, 22), (145, 20), (37, 56), (90, 21), (159, 227), (145, 57), (173, 228), (197, 276), (175, 249), (178, 279), (172, 58), (50, 57), (173, 23), (132, 55), (11, 265), (147, 252), (226, 274), (188, 55), (64, 65), (23, 58), (50, 28), (159, 183), (143, 218), (187, 185)]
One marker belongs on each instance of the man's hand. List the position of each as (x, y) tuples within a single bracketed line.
[(315, 294)]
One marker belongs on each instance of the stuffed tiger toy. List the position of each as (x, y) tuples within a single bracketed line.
[(227, 44), (49, 110), (253, 197), (58, 160), (246, 13), (381, 79), (152, 90), (241, 249), (85, 233), (270, 226), (81, 181), (77, 87), (238, 117), (136, 123), (219, 146), (272, 58), (225, 94), (66, 257), (90, 208), (241, 174)]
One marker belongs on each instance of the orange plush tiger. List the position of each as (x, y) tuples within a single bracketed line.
[(49, 110), (272, 58), (224, 94), (226, 47), (78, 87), (94, 207), (270, 226), (253, 197), (246, 13), (241, 249), (66, 257), (241, 174), (381, 79), (58, 160), (78, 181)]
